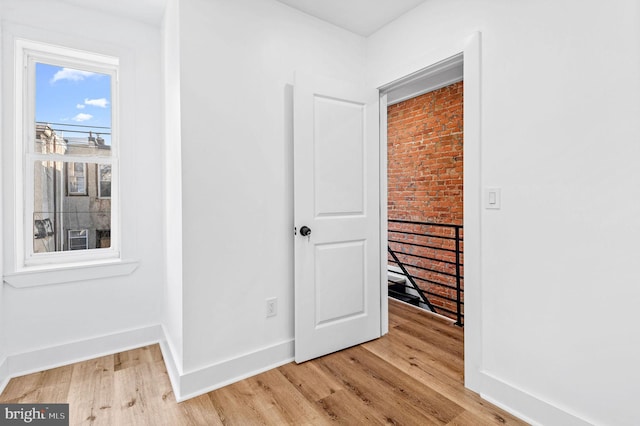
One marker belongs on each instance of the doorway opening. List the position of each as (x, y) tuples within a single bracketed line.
[(425, 178)]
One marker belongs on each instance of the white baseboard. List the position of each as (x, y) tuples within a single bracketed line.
[(185, 385), (171, 365), (69, 353), (524, 405), (190, 384), (4, 374), (223, 373)]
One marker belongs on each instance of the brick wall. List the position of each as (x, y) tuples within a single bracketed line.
[(425, 180), (424, 139)]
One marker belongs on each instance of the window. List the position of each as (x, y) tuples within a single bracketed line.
[(104, 181), (43, 228), (78, 239), (67, 111), (76, 183), (103, 238)]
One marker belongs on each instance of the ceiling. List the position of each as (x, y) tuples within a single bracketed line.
[(362, 17), (147, 11)]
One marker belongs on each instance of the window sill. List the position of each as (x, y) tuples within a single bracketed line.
[(48, 275)]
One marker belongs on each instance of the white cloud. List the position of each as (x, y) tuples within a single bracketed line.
[(102, 102), (80, 106), (82, 117), (71, 74)]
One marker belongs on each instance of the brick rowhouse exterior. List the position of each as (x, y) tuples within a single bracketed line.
[(425, 181)]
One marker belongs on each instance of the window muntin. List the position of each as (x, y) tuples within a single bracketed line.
[(70, 162)]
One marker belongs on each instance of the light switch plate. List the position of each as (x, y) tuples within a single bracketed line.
[(272, 307), (492, 198)]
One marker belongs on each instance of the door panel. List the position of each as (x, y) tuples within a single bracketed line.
[(336, 170), (339, 281), (338, 156)]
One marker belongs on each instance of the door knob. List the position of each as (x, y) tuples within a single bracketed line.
[(305, 231)]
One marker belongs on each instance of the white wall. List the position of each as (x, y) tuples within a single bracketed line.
[(55, 315), (238, 61), (172, 312), (3, 345), (559, 114), (560, 101)]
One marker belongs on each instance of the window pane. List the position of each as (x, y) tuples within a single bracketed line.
[(104, 178), (73, 111), (78, 240), (104, 238), (76, 175), (62, 219)]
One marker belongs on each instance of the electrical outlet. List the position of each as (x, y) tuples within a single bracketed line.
[(272, 307)]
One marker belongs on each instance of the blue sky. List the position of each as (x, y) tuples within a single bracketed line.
[(73, 97)]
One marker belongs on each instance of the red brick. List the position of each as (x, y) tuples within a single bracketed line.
[(425, 172)]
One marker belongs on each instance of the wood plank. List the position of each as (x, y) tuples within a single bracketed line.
[(143, 396), (236, 405), (390, 393), (487, 419), (22, 388), (413, 375), (418, 358), (415, 348), (407, 312), (310, 380), (90, 394), (197, 411), (283, 402), (53, 387), (49, 385), (428, 372), (347, 408), (395, 319), (413, 315)]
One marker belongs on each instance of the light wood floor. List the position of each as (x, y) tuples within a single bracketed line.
[(412, 376)]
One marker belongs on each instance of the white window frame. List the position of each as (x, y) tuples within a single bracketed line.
[(27, 54)]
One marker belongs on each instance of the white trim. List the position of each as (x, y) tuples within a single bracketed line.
[(4, 371), (69, 353), (87, 159), (26, 54), (4, 374), (203, 380), (472, 153), (433, 77), (516, 401), (431, 88), (469, 53), (173, 370), (73, 57), (384, 286), (67, 273), (197, 382), (185, 385)]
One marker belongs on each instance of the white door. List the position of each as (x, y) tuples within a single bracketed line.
[(336, 188)]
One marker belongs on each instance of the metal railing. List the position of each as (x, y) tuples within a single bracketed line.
[(430, 257)]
